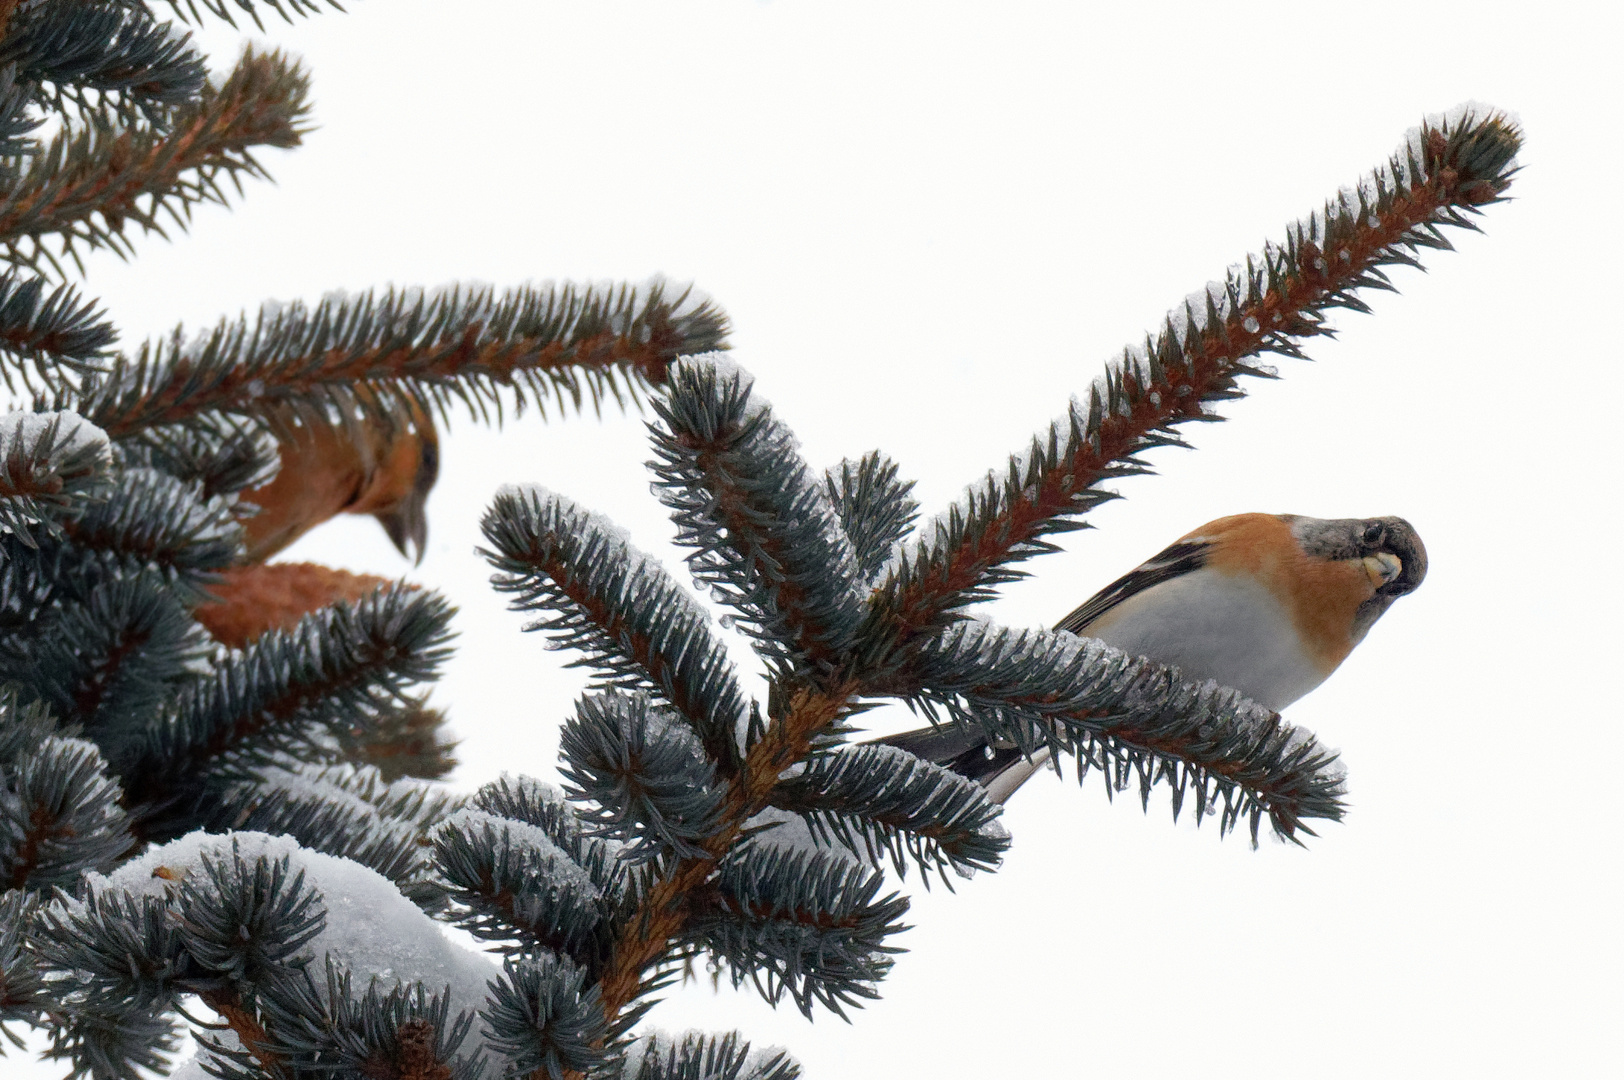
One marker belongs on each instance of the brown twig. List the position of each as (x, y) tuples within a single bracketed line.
[(665, 910), (261, 104), (249, 1031)]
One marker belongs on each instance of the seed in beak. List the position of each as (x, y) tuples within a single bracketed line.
[(1382, 567)]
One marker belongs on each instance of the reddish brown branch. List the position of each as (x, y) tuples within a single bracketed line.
[(1202, 367), (15, 484), (414, 1057)]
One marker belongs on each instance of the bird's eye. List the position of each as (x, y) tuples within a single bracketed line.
[(1372, 534)]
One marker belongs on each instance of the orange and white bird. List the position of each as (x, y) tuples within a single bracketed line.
[(1269, 604), (366, 468)]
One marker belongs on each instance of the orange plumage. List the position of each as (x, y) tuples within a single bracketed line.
[(1321, 595), (364, 468), (275, 596)]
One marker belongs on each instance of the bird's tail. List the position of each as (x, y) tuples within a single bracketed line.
[(999, 768)]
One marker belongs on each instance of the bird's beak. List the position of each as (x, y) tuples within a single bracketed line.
[(408, 525), (1403, 542)]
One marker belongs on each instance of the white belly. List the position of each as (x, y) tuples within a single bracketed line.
[(1215, 626)]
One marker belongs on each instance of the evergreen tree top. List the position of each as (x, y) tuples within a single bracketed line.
[(219, 774)]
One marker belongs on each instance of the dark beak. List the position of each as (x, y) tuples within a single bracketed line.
[(408, 525), (1403, 541)]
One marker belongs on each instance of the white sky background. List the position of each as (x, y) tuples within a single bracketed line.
[(931, 224)]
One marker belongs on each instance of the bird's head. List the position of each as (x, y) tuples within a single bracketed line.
[(398, 494), (1388, 548)]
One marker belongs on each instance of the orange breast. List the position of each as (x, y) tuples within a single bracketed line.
[(1322, 595)]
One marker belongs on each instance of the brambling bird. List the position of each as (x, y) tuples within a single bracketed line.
[(1268, 604), (332, 469)]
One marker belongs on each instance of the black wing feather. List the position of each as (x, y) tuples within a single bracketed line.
[(1176, 559), (959, 748)]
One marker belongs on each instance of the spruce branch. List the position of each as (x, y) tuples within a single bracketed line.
[(1131, 717), (339, 666), (410, 743), (522, 798), (98, 56), (343, 812), (809, 925), (224, 459), (245, 925), (666, 905), (402, 1033), (59, 817), (880, 800), (618, 607), (246, 919), (122, 950), (89, 185), (518, 888), (8, 11), (643, 774), (407, 802), (767, 540), (545, 1019), (45, 335), (151, 519), (51, 468), (115, 960), (699, 1056), (23, 995), (18, 119), (1444, 174), (187, 10), (876, 508), (107, 660), (385, 356)]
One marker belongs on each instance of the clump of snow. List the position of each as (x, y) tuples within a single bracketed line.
[(531, 789), (52, 432), (371, 928), (524, 834), (727, 369)]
